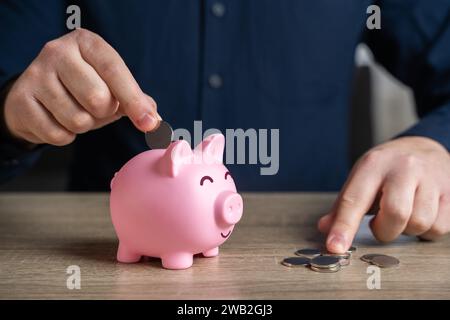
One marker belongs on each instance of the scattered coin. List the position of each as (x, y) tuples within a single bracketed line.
[(309, 253), (384, 261), (327, 262), (296, 261), (160, 137), (368, 257)]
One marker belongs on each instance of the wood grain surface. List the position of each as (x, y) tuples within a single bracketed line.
[(41, 234)]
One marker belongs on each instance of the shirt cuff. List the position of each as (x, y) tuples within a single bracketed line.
[(15, 155), (435, 125)]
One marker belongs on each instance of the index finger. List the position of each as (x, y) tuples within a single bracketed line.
[(356, 198), (113, 70)]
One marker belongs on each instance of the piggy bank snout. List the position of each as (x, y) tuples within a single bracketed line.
[(229, 208)]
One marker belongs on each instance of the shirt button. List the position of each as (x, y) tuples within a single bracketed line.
[(218, 9), (215, 81)]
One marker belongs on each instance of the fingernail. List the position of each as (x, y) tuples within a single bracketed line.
[(337, 243), (147, 122), (158, 116)]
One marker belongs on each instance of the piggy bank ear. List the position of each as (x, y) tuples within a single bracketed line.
[(177, 155), (212, 148)]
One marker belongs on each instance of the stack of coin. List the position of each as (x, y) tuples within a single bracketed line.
[(326, 264), (380, 260), (318, 260), (344, 258)]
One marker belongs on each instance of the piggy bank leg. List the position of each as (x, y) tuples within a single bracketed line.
[(180, 260), (211, 253), (126, 255)]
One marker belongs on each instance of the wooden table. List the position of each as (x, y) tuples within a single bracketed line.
[(41, 234)]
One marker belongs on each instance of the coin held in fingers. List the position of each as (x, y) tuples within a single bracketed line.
[(160, 137)]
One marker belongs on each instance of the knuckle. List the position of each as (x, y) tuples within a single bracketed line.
[(348, 200), (80, 33), (398, 213), (378, 231), (59, 137), (343, 224), (47, 91), (372, 158), (419, 224), (99, 103), (438, 231), (380, 236), (86, 37), (33, 71), (410, 161), (109, 70), (81, 123), (135, 102), (53, 49)]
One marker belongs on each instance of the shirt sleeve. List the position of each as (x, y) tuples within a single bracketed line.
[(414, 45), (25, 26)]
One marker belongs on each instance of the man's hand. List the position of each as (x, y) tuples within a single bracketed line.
[(76, 84), (412, 175)]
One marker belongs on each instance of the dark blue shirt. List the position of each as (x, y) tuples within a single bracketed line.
[(281, 64)]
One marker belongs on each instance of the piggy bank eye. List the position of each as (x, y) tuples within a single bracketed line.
[(227, 174), (206, 178)]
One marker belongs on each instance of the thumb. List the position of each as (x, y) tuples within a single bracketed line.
[(142, 112)]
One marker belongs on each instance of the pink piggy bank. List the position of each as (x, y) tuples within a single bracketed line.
[(174, 203)]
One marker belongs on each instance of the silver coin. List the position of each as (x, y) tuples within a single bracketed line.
[(338, 255), (368, 257), (160, 137), (309, 253), (325, 262), (384, 261), (296, 262), (344, 262), (344, 258), (351, 249), (326, 270)]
